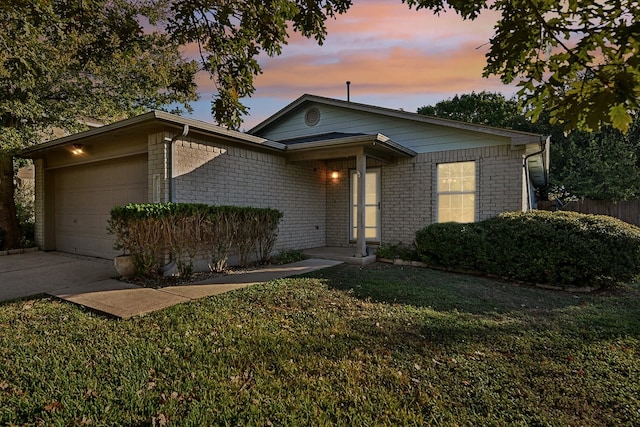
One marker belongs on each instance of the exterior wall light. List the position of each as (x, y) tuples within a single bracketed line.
[(335, 175), (77, 149)]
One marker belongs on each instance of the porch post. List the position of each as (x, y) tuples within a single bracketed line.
[(361, 241)]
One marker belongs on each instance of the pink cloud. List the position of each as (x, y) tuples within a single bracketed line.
[(394, 70), (386, 50)]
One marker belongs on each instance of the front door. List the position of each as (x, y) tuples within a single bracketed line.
[(372, 205)]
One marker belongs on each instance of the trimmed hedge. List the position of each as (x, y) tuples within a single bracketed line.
[(149, 231), (564, 249)]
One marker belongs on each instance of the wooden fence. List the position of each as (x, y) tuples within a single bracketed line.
[(628, 211)]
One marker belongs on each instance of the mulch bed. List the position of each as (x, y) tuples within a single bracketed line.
[(159, 281)]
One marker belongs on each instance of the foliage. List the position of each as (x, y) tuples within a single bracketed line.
[(184, 230), (229, 37), (221, 236), (62, 62), (147, 231), (484, 108), (25, 210), (374, 345), (452, 245), (397, 251), (603, 165), (579, 60), (565, 249), (288, 256), (597, 165)]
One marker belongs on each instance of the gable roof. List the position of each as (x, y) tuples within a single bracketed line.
[(516, 137), (153, 118), (316, 147)]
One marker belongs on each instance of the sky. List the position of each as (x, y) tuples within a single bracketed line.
[(393, 56)]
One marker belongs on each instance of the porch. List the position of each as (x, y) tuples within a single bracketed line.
[(346, 255)]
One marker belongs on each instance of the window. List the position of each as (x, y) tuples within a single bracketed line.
[(371, 206), (457, 192)]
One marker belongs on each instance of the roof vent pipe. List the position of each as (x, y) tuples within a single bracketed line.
[(348, 91)]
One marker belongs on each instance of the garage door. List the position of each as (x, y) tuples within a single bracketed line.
[(84, 196)]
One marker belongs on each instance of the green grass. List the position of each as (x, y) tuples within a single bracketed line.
[(382, 345)]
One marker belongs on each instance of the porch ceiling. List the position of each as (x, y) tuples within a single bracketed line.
[(376, 146)]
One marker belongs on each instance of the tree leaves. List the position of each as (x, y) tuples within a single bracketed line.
[(230, 35), (548, 46), (64, 60), (485, 108), (620, 117)]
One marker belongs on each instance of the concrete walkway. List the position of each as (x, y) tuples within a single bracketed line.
[(89, 282)]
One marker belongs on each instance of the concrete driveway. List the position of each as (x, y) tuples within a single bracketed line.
[(90, 282), (34, 273)]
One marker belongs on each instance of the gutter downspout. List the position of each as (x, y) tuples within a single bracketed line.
[(185, 132), (544, 148)]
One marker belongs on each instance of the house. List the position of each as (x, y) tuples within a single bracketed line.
[(344, 174)]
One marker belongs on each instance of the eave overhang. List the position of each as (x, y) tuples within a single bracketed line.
[(376, 146), (147, 123)]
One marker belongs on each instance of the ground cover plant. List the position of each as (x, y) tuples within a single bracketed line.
[(379, 345)]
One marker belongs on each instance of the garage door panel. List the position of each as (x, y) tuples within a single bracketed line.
[(84, 196)]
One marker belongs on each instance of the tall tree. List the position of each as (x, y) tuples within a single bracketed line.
[(484, 108), (601, 165), (64, 60), (577, 59), (231, 34)]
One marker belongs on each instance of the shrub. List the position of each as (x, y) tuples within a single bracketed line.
[(289, 255), (399, 250), (25, 211), (139, 231), (451, 245), (149, 231), (565, 249)]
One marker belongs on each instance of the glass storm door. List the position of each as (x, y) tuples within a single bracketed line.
[(371, 208)]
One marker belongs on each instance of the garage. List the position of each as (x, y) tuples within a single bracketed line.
[(84, 196)]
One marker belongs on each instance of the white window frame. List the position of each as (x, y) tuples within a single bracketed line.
[(352, 206), (442, 191)]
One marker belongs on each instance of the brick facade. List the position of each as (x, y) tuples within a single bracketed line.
[(39, 206), (221, 174), (408, 191), (159, 147), (213, 165)]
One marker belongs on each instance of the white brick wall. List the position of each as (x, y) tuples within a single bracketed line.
[(39, 207), (408, 190), (218, 174), (316, 209), (159, 167)]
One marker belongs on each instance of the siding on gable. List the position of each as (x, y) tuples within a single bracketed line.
[(220, 174), (419, 137)]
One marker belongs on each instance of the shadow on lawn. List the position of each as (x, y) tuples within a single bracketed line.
[(612, 312)]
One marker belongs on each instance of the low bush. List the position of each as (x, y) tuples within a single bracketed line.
[(398, 251), (151, 231), (564, 249), (451, 245), (288, 256)]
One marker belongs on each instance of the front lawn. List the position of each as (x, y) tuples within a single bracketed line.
[(381, 345)]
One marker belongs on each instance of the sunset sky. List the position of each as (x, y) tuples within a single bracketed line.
[(394, 57)]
